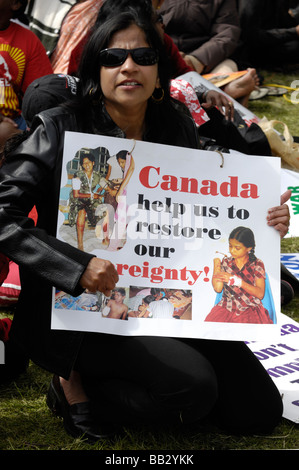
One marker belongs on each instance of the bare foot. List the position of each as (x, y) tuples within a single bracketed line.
[(241, 88)]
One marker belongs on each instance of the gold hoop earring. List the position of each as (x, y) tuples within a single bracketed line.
[(160, 98), (93, 95)]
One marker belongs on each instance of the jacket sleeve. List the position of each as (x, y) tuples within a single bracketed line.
[(224, 35), (207, 30), (31, 176)]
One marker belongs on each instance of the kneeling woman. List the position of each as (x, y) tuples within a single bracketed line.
[(142, 379)]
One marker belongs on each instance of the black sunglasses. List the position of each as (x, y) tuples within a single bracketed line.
[(142, 56)]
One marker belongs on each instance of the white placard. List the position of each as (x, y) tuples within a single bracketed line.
[(290, 180), (174, 217), (281, 360), (196, 80)]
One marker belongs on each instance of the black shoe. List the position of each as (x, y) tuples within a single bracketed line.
[(78, 419)]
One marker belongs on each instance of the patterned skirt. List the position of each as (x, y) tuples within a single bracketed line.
[(256, 314)]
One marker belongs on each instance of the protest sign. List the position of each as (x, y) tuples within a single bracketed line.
[(290, 180), (198, 81), (173, 215), (281, 360), (291, 262), (2, 353)]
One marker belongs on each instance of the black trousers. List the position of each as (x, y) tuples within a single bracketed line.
[(275, 56), (168, 380)]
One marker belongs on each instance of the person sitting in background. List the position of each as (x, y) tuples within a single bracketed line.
[(208, 98), (206, 34), (269, 34), (294, 11), (48, 92), (45, 19), (238, 89), (60, 26), (22, 60), (14, 361), (77, 22)]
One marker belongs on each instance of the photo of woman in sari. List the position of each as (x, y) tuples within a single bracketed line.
[(242, 280)]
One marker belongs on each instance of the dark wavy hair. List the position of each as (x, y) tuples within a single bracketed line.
[(90, 157), (245, 236), (163, 120), (90, 64), (148, 299), (112, 7)]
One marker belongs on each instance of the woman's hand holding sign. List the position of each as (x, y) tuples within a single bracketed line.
[(279, 216), (100, 275)]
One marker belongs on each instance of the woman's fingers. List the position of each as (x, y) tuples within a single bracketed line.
[(225, 106), (100, 275), (279, 216)]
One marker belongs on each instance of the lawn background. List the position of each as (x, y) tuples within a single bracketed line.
[(27, 424)]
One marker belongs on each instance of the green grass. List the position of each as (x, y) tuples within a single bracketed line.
[(27, 424), (274, 107)]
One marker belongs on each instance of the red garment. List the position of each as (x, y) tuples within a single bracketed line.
[(10, 285), (258, 315), (22, 59), (75, 26), (237, 305), (5, 324), (4, 267), (184, 92), (33, 214), (76, 56), (177, 63)]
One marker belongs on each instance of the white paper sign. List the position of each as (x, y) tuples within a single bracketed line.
[(175, 212), (196, 80), (290, 180), (281, 360), (291, 262)]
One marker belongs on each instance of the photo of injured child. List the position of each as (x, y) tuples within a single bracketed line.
[(89, 301), (91, 199), (115, 307), (160, 303), (131, 302)]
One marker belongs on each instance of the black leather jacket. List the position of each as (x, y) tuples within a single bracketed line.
[(31, 176)]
